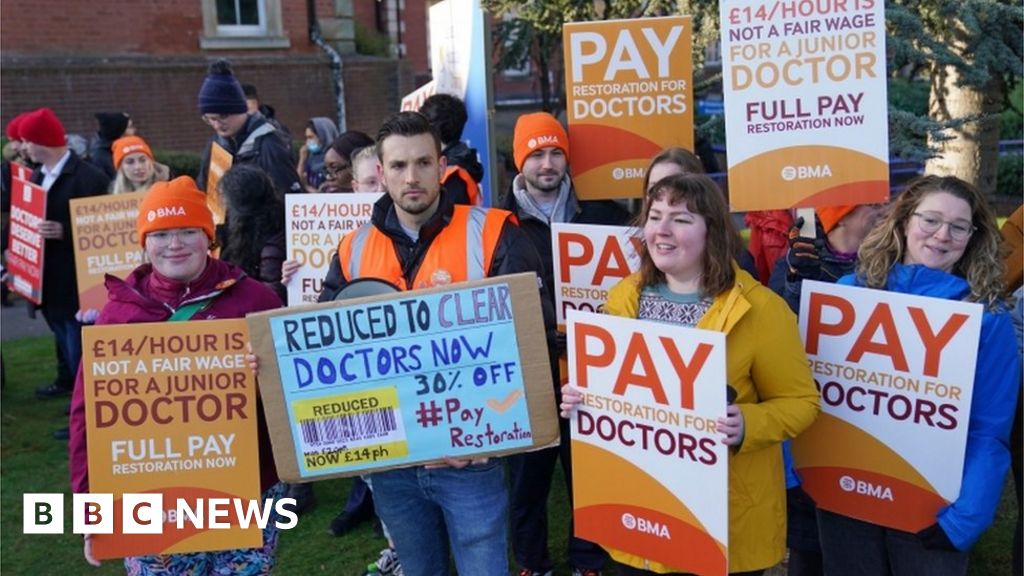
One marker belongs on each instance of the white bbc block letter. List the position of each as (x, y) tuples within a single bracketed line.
[(143, 513), (43, 513), (92, 514)]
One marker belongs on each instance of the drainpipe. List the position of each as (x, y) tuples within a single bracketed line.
[(337, 66)]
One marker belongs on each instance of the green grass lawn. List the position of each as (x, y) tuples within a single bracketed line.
[(32, 461)]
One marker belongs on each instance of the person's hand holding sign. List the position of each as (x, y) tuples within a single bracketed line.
[(731, 426), (803, 257), (87, 551), (51, 230), (571, 398)]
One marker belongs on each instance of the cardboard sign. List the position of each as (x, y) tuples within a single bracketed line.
[(106, 242), (650, 473), (629, 94), (896, 373), (412, 101), (589, 259), (171, 408), (806, 113), (316, 224), (406, 378), (220, 162), (25, 251)]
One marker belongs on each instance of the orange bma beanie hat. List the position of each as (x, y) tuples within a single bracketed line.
[(123, 147), (174, 204), (536, 131), (831, 215)]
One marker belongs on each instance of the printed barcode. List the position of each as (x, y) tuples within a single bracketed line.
[(348, 427)]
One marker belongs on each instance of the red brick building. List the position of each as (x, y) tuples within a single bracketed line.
[(149, 58)]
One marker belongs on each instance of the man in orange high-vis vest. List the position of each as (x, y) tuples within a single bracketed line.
[(418, 237)]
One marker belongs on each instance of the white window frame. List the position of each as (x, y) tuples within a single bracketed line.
[(268, 33)]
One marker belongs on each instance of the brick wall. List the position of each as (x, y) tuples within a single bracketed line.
[(102, 27), (160, 92)]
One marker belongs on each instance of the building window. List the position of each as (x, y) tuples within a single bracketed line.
[(235, 24)]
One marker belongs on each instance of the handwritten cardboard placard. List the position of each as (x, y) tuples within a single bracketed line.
[(171, 409), (589, 259), (316, 224), (806, 114), (106, 242), (406, 378), (896, 375), (650, 475), (629, 94), (25, 248)]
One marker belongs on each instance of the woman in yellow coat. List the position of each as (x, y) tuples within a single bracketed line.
[(687, 276)]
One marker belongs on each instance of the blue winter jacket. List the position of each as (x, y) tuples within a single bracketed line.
[(996, 384)]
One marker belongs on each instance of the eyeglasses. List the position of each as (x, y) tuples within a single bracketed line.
[(218, 119), (335, 170), (184, 236), (931, 223)]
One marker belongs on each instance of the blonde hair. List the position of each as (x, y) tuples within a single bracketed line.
[(123, 185), (360, 155), (981, 264)]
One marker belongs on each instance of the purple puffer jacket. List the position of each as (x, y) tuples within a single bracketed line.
[(147, 297)]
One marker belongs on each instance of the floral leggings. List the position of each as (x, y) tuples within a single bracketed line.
[(237, 562)]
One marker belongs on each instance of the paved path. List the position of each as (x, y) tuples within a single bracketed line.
[(15, 323)]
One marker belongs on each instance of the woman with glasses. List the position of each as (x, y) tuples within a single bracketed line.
[(338, 161), (181, 281), (940, 239)]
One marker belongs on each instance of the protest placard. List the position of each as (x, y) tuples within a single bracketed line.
[(650, 474), (106, 242), (588, 260), (629, 95), (25, 247), (896, 375), (220, 162), (406, 378), (171, 409), (806, 113), (316, 223)]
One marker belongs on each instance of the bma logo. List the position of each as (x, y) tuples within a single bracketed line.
[(640, 524), (790, 173), (165, 212), (542, 141), (620, 173), (864, 488)]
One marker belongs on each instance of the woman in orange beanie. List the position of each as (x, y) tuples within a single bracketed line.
[(182, 281), (136, 167)]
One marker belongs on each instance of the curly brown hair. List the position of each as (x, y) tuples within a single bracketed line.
[(981, 263), (701, 196)]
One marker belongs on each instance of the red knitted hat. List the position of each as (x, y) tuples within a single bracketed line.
[(41, 127), (13, 129)]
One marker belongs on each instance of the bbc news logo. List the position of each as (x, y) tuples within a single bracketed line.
[(145, 513)]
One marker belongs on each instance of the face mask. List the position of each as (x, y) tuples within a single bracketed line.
[(313, 146)]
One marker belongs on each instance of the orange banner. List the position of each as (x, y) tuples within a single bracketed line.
[(171, 409), (629, 95), (106, 242)]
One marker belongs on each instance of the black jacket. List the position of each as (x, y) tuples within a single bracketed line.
[(78, 179), (259, 143), (513, 254), (102, 156), (606, 212)]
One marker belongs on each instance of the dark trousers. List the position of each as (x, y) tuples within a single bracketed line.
[(852, 547), (360, 500), (67, 335), (531, 474)]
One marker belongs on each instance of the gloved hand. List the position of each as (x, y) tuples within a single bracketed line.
[(934, 538), (804, 254)]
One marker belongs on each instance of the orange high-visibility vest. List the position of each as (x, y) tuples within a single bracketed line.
[(461, 251)]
